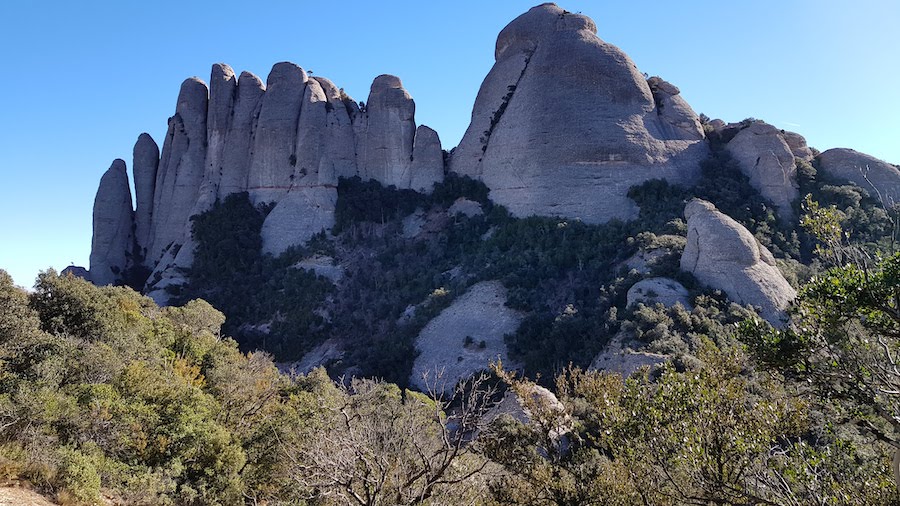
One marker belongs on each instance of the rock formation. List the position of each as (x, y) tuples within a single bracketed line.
[(564, 124), (879, 178), (665, 291), (144, 166), (724, 255), (286, 143), (451, 343), (113, 242), (764, 155)]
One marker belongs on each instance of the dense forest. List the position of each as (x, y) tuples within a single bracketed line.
[(106, 398)]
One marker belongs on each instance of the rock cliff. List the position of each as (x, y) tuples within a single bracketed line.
[(879, 178), (286, 143), (564, 123)]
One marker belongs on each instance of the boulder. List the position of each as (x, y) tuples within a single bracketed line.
[(465, 207), (450, 346), (879, 178), (273, 160), (765, 157), (677, 118), (798, 146), (564, 124), (623, 360), (181, 168), (113, 242), (724, 255), (144, 167), (665, 291)]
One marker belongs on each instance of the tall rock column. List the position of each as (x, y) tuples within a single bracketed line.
[(386, 135), (112, 242), (219, 116), (181, 168), (145, 166), (273, 156), (238, 146)]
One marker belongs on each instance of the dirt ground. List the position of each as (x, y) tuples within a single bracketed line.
[(19, 496)]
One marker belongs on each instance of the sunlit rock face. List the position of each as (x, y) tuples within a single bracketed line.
[(564, 123)]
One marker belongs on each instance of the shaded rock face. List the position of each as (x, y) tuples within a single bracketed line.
[(112, 243), (764, 156), (724, 255), (77, 271), (879, 178), (450, 344), (564, 123), (286, 143), (145, 165)]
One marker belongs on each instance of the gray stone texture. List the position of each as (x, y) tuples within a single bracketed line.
[(181, 168), (879, 178), (144, 167), (112, 242), (564, 124), (481, 314), (765, 157), (665, 291), (724, 255)]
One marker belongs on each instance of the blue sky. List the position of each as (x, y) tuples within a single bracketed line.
[(81, 80)]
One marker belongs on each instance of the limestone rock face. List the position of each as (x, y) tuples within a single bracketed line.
[(339, 147), (676, 116), (386, 137), (724, 255), (665, 291), (145, 165), (565, 123), (222, 88), (427, 165), (234, 162), (798, 146), (765, 157), (620, 358), (273, 161), (181, 168), (299, 215), (113, 241), (480, 314), (855, 167)]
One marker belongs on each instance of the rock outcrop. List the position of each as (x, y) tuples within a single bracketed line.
[(564, 124), (113, 242), (764, 156), (144, 166), (724, 255), (665, 291), (879, 178), (464, 338), (286, 143)]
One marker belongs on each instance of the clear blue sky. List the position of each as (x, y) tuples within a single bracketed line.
[(81, 80)]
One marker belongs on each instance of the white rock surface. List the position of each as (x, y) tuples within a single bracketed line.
[(724, 255), (481, 314), (621, 359), (564, 124)]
